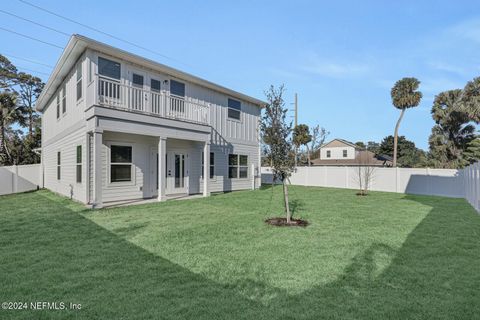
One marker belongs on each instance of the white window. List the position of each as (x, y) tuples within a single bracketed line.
[(212, 165), (345, 153), (79, 164), (59, 158), (108, 68), (64, 99), (58, 106), (329, 153), (234, 108), (79, 81), (120, 163), (237, 166), (155, 85)]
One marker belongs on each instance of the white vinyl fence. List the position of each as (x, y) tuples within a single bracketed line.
[(15, 179), (464, 183)]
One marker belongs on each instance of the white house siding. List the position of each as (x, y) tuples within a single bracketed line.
[(75, 112), (337, 153), (67, 146)]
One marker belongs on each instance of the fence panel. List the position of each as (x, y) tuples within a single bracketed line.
[(463, 183), (19, 178)]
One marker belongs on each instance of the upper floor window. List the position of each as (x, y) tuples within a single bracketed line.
[(137, 80), (79, 81), (234, 108), (329, 153), (345, 153), (58, 106), (64, 99), (108, 68), (155, 85), (177, 88)]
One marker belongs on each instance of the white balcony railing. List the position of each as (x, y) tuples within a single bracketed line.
[(118, 95)]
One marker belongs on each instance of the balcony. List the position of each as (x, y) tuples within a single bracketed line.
[(116, 95)]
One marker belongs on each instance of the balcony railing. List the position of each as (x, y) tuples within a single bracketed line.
[(117, 95)]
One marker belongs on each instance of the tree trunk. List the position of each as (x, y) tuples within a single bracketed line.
[(308, 155), (285, 195), (395, 138)]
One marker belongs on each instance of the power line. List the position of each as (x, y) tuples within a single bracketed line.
[(31, 38), (27, 60), (99, 31), (35, 23), (32, 70)]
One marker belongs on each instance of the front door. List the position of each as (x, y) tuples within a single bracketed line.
[(177, 172)]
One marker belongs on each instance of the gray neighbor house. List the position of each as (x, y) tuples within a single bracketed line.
[(120, 127)]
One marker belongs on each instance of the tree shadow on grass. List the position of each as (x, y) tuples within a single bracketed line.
[(434, 275), (63, 256)]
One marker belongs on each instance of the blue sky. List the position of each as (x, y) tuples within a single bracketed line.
[(341, 57)]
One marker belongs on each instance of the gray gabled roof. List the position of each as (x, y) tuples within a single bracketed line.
[(77, 45), (351, 144)]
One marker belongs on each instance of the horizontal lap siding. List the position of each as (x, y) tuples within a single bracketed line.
[(67, 185)]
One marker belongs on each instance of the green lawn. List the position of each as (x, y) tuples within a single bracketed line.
[(385, 256)]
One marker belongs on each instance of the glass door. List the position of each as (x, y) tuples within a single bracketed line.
[(177, 173)]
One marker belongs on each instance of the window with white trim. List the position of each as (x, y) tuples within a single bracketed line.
[(78, 166), (234, 109), (79, 81), (345, 153), (64, 99), (59, 157), (212, 165), (329, 153), (58, 106), (120, 163), (108, 68), (237, 166)]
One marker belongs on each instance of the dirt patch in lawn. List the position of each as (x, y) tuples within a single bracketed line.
[(282, 222)]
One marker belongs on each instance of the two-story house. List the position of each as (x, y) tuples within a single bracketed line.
[(118, 127), (339, 152)]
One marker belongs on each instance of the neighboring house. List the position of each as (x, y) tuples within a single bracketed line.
[(117, 127), (339, 152)]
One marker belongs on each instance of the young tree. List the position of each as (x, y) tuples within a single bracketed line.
[(276, 138), (405, 95), (365, 174), (319, 134), (301, 137), (30, 88)]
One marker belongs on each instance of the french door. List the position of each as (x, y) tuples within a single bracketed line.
[(176, 174)]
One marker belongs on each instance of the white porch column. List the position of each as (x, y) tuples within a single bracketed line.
[(162, 168), (206, 169), (97, 168)]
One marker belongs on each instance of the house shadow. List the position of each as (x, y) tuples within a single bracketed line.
[(435, 184), (434, 275)]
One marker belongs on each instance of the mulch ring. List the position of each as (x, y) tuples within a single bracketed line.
[(282, 222)]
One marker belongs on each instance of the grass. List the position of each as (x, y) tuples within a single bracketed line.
[(383, 256)]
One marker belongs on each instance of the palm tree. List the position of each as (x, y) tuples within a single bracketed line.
[(405, 95), (8, 114), (470, 100), (452, 133)]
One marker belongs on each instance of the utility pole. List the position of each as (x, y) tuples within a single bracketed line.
[(296, 123)]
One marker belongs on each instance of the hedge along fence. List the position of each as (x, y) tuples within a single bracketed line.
[(24, 178), (464, 183)]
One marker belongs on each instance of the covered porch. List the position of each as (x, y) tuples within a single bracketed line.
[(131, 160)]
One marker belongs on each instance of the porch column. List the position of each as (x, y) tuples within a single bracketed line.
[(162, 168), (97, 168), (206, 169)]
